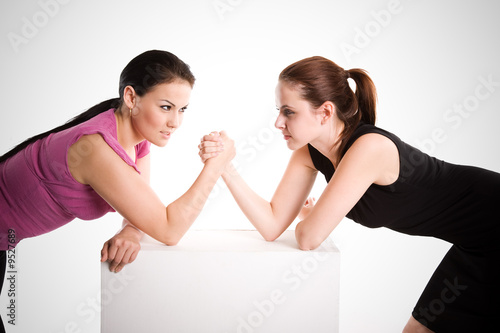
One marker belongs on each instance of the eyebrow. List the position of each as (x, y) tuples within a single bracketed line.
[(285, 106), (166, 100)]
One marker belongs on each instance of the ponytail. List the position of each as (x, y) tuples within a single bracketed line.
[(83, 117), (366, 95), (321, 80), (142, 73)]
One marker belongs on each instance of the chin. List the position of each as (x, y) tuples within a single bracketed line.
[(293, 146), (162, 144), (159, 143)]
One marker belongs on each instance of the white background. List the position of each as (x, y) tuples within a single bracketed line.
[(425, 58)]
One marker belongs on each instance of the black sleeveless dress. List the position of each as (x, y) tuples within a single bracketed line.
[(451, 202)]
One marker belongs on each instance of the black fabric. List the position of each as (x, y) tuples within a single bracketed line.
[(452, 202)]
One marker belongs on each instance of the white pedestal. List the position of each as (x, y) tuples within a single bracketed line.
[(224, 281)]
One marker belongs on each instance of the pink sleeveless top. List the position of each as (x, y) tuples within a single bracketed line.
[(38, 193)]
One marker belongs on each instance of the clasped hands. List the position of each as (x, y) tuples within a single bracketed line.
[(215, 147), (215, 144), (123, 248)]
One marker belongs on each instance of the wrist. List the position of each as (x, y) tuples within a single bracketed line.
[(228, 172), (215, 165), (131, 231)]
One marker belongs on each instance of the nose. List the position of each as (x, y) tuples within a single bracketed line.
[(174, 120), (280, 122)]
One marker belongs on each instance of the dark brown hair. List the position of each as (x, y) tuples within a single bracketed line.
[(319, 80), (143, 73)]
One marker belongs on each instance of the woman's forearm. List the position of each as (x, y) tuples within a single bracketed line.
[(182, 213), (258, 211)]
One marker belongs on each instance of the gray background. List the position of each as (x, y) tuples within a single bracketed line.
[(427, 59)]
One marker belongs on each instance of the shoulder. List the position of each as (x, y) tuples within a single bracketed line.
[(374, 154), (371, 147), (373, 142), (88, 145), (376, 134), (88, 153), (372, 139), (302, 156), (101, 123)]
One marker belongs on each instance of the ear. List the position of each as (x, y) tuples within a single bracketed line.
[(129, 96), (326, 111)]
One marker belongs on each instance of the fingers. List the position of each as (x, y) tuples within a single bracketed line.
[(214, 136), (123, 257), (310, 202), (206, 153), (117, 260), (215, 144), (211, 140), (112, 250), (307, 208), (211, 145), (104, 252), (119, 253), (133, 256)]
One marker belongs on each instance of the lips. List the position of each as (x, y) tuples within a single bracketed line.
[(286, 136), (166, 135)]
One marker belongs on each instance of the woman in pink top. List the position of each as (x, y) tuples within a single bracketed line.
[(99, 162)]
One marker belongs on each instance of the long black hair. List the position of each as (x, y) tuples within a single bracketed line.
[(142, 73)]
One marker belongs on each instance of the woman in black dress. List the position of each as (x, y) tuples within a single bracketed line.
[(377, 180)]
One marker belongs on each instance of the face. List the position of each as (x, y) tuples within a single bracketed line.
[(298, 120), (158, 114)]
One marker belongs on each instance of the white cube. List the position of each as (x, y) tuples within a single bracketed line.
[(224, 281)]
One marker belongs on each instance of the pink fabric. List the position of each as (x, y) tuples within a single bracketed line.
[(38, 193)]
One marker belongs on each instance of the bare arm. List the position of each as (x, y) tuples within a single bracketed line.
[(371, 159), (131, 196), (144, 166), (123, 248), (272, 218)]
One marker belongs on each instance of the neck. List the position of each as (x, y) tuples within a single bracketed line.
[(328, 143), (126, 133)]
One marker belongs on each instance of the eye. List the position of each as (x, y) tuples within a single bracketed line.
[(183, 109), (166, 107), (286, 112)]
